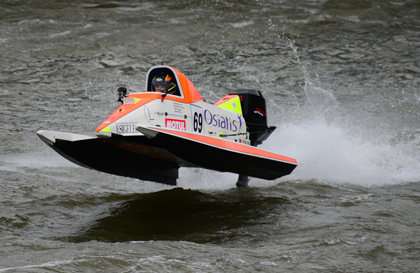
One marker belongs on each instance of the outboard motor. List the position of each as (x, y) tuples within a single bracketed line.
[(255, 115)]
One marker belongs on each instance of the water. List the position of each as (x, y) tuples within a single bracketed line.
[(341, 79)]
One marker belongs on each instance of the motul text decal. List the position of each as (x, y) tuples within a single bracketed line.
[(175, 124)]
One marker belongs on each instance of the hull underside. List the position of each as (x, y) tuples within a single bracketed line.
[(158, 158), (93, 153)]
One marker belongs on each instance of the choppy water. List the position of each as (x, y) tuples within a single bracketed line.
[(342, 80)]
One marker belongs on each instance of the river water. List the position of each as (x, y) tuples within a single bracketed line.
[(342, 83)]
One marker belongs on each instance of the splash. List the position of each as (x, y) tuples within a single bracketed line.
[(330, 148), (328, 153)]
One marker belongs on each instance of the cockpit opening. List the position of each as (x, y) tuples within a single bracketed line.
[(163, 80)]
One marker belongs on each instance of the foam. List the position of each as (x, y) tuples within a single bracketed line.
[(330, 153), (51, 264)]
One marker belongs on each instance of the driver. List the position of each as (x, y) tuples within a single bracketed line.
[(164, 84)]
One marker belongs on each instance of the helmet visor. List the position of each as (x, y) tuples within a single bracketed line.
[(160, 85)]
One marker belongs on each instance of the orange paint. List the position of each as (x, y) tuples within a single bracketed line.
[(225, 99), (124, 109), (190, 93), (230, 145)]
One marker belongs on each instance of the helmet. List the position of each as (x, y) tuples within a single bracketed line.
[(163, 83)]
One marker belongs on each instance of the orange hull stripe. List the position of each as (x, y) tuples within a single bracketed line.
[(124, 109), (230, 145)]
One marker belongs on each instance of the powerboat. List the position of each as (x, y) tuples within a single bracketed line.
[(154, 133)]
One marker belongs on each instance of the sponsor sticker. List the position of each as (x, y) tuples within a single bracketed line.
[(176, 124), (222, 122), (178, 107), (259, 112), (126, 128), (130, 100)]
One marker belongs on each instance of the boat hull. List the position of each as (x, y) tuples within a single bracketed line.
[(220, 155), (94, 153), (159, 153)]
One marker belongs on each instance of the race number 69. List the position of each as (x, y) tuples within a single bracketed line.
[(198, 122), (197, 114)]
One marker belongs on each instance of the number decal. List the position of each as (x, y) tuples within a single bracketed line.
[(195, 122), (198, 122), (197, 115)]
